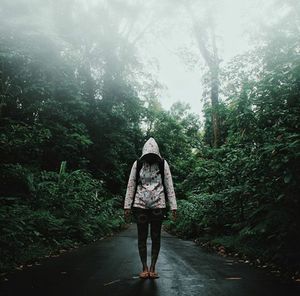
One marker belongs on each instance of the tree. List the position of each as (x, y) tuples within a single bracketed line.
[(205, 35)]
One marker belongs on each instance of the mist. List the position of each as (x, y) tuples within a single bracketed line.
[(154, 40), (84, 84)]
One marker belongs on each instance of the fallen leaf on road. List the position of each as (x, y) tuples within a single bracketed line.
[(112, 282)]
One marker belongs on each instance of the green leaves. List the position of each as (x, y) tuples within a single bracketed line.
[(287, 177), (59, 212), (247, 190)]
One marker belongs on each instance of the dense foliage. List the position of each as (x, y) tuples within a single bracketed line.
[(244, 195), (73, 120), (70, 124), (60, 211)]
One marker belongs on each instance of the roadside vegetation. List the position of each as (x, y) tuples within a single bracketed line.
[(76, 112)]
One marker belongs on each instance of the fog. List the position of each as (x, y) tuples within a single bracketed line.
[(85, 83), (154, 39)]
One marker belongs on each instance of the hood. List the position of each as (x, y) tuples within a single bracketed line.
[(150, 147)]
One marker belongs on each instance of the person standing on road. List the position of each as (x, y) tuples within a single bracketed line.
[(149, 190)]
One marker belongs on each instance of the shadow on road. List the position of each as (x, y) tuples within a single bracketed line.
[(143, 287)]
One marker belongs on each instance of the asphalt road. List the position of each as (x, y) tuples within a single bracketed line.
[(111, 266)]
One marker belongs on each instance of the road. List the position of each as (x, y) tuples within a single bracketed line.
[(111, 266)]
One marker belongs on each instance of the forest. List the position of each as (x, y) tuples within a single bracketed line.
[(77, 105)]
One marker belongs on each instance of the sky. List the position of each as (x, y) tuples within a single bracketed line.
[(234, 19)]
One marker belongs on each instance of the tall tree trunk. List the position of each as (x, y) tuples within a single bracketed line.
[(212, 60), (214, 96)]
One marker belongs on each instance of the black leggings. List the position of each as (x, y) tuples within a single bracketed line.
[(155, 231), (143, 218)]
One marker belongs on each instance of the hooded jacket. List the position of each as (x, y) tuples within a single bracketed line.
[(150, 192)]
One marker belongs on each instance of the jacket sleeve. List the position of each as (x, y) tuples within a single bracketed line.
[(130, 187), (169, 187)]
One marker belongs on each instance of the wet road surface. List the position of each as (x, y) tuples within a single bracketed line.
[(111, 266)]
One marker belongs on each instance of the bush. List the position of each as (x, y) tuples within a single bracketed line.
[(62, 210)]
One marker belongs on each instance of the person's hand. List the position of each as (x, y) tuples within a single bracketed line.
[(127, 214), (174, 215)]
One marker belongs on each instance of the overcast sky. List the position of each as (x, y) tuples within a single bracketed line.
[(235, 19)]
